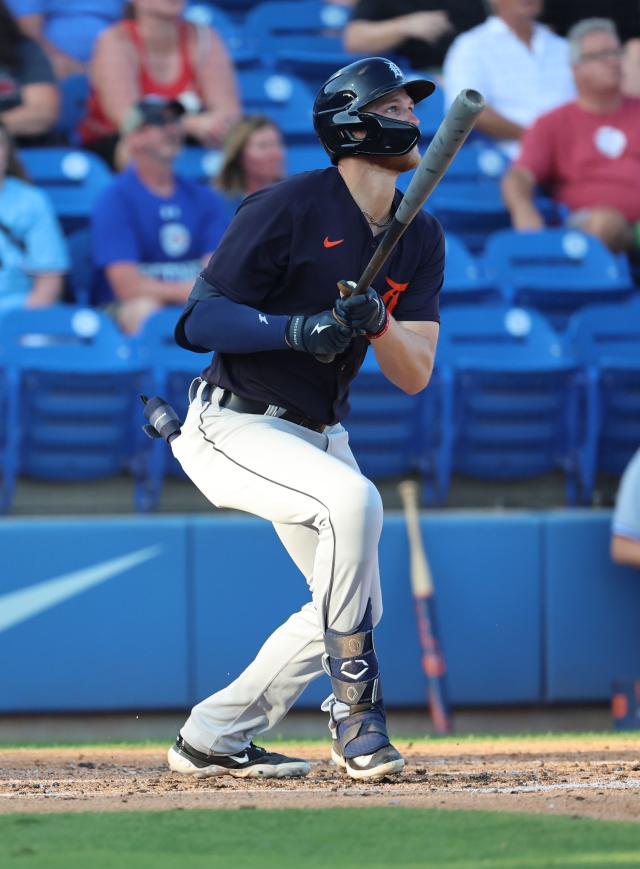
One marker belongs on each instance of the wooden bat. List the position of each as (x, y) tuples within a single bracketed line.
[(433, 662), (450, 135)]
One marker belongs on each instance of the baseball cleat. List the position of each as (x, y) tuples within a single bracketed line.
[(251, 762), (383, 762)]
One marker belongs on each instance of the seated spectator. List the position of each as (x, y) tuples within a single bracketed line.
[(521, 68), (33, 254), (152, 230), (157, 52), (29, 98), (253, 158), (66, 29), (625, 528), (420, 30), (587, 152)]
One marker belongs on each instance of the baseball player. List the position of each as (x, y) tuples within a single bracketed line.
[(263, 433)]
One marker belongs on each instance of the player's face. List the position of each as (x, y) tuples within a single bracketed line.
[(263, 156), (400, 106), (599, 69)]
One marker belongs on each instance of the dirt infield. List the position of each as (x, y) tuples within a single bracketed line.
[(596, 777)]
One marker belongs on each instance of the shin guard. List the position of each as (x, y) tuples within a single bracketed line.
[(352, 664)]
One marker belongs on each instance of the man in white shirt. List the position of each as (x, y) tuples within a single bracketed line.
[(520, 66), (625, 527)]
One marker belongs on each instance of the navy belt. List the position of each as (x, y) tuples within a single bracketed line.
[(237, 403)]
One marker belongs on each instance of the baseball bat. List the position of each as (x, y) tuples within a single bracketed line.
[(449, 138), (433, 662)]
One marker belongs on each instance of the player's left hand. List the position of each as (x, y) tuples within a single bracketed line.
[(366, 313)]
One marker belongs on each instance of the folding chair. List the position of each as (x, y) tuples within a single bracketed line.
[(464, 280), (281, 96)]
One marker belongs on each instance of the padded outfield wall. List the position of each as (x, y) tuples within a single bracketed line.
[(155, 613)]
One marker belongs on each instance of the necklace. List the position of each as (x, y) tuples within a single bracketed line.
[(381, 224)]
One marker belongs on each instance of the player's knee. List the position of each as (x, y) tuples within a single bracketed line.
[(358, 505)]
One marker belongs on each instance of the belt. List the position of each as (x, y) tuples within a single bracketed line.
[(237, 403)]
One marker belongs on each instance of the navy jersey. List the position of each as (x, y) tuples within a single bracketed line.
[(283, 253)]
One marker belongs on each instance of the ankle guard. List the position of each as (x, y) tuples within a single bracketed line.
[(352, 664)]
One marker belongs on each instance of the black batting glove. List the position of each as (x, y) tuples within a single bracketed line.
[(366, 313), (319, 334)]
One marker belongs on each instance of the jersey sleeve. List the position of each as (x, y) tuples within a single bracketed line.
[(114, 238), (537, 154), (421, 301), (253, 254), (626, 516)]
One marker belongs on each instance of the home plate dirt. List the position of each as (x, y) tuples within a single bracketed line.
[(595, 777)]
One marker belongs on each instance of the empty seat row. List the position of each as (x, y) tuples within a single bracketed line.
[(510, 400)]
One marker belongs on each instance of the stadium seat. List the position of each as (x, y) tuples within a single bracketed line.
[(231, 32), (430, 112), (303, 38), (514, 395), (8, 431), (198, 163), (464, 281), (305, 157), (282, 97), (391, 434), (173, 369), (605, 339), (236, 9), (555, 271), (73, 180), (78, 412), (74, 91), (81, 272)]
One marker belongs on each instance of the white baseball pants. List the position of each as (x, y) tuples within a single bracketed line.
[(329, 518)]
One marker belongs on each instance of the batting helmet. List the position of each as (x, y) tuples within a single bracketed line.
[(337, 111)]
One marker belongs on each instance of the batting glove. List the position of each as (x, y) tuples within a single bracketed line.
[(319, 334), (366, 313)]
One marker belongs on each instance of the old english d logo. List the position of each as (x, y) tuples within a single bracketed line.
[(391, 297)]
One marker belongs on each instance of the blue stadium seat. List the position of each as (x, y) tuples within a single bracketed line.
[(514, 395), (198, 163), (605, 339), (78, 413), (303, 38), (82, 268), (73, 180), (236, 9), (8, 431), (305, 157), (555, 271), (230, 31), (173, 370), (430, 112), (74, 91), (464, 281), (391, 433), (282, 97)]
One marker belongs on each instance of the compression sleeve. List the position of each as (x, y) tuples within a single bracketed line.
[(219, 324)]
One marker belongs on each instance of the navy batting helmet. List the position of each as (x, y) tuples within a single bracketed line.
[(337, 111)]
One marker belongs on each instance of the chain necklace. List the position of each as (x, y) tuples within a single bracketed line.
[(381, 224)]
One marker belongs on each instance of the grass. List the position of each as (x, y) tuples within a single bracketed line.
[(454, 740), (376, 837)]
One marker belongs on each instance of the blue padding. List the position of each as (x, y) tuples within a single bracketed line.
[(593, 609), (486, 573), (93, 615)]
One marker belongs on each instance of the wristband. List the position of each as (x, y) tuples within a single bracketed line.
[(383, 330)]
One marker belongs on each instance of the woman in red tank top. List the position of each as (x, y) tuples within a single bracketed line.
[(158, 52)]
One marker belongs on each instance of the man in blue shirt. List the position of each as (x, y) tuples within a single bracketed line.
[(264, 434), (152, 229)]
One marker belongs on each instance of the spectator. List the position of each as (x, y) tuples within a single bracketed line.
[(33, 255), (520, 67), (253, 158), (66, 29), (625, 529), (157, 52), (29, 99), (420, 30), (152, 230), (587, 152)]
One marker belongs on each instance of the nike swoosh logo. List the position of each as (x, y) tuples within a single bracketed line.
[(328, 243), (318, 328), (240, 758), (18, 606)]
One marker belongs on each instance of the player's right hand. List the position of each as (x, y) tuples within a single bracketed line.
[(318, 334)]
